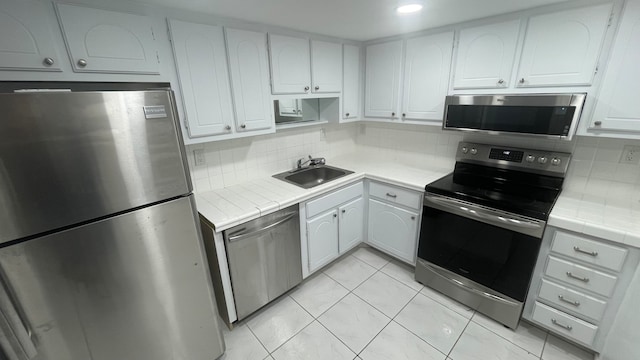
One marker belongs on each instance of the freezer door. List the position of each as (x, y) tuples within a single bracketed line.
[(66, 158), (133, 287)]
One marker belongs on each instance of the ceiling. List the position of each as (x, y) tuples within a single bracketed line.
[(352, 19)]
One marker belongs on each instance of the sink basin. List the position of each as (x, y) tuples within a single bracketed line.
[(312, 176)]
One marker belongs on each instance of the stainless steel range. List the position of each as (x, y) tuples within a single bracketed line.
[(482, 226)]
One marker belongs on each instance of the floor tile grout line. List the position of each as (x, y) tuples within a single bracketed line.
[(459, 337), (373, 338), (546, 339), (289, 339), (257, 338), (337, 337), (504, 338)]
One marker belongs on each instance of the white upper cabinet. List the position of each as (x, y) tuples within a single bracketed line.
[(562, 49), (382, 79), (248, 64), (107, 41), (427, 67), (326, 66), (351, 83), (290, 65), (204, 78), (25, 37), (485, 56), (618, 110)]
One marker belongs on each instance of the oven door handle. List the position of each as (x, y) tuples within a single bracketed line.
[(488, 216), (467, 287)]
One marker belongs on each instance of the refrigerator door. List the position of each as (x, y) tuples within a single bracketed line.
[(70, 157), (132, 287)]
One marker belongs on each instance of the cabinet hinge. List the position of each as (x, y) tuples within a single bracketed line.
[(597, 68), (610, 19), (153, 34), (158, 57), (186, 122)]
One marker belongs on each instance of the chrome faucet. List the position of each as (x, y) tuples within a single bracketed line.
[(312, 162)]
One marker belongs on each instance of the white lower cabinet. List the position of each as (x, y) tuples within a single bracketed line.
[(322, 239), (393, 230), (351, 224)]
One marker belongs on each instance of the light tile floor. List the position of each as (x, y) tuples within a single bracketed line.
[(366, 306)]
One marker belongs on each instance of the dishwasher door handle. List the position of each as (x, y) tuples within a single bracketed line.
[(241, 235)]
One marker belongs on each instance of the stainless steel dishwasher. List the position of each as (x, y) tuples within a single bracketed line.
[(264, 259)]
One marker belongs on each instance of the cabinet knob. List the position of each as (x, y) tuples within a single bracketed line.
[(404, 115), (48, 61), (228, 127), (243, 126), (393, 114), (335, 215), (500, 81), (306, 88), (347, 114), (82, 62), (413, 218), (317, 87), (521, 81), (597, 123), (344, 211)]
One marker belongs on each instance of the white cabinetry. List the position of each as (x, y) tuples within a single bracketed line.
[(351, 82), (332, 225), (485, 56), (382, 79), (290, 65), (562, 48), (25, 37), (427, 67), (617, 111), (107, 41), (326, 66), (204, 77), (248, 64), (394, 216)]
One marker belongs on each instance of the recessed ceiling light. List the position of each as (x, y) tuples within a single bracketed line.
[(409, 8)]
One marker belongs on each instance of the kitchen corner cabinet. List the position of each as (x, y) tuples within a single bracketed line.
[(201, 62), (27, 42), (326, 67), (486, 55), (351, 82), (107, 41), (427, 67), (322, 239), (290, 65), (617, 111), (382, 79), (562, 48)]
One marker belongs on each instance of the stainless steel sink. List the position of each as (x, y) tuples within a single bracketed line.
[(312, 176)]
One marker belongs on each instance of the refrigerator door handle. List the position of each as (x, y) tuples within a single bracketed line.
[(15, 338)]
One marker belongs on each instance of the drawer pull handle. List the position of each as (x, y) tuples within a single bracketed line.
[(556, 323), (392, 195), (590, 253), (570, 302), (583, 279)]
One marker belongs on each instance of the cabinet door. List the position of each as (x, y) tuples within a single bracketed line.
[(486, 55), (322, 239), (204, 78), (351, 83), (382, 79), (248, 64), (107, 41), (326, 66), (618, 108), (393, 230), (351, 229), (562, 49), (426, 76), (290, 65), (26, 42)]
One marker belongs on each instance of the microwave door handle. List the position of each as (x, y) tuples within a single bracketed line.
[(15, 338)]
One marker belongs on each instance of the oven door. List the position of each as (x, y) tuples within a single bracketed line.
[(494, 249)]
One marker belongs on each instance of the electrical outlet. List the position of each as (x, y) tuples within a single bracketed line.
[(199, 158), (630, 155)]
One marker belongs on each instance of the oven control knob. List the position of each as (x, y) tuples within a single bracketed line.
[(555, 161), (542, 160), (474, 151), (531, 158), (465, 150)]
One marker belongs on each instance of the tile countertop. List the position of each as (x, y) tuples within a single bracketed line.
[(234, 205)]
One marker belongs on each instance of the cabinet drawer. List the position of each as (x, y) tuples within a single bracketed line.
[(580, 276), (572, 300), (565, 324), (395, 195), (315, 207), (593, 252)]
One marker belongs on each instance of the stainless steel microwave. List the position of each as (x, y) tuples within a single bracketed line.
[(543, 115)]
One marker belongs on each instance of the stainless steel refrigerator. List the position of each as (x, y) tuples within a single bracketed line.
[(101, 256)]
